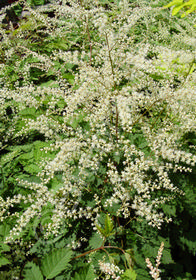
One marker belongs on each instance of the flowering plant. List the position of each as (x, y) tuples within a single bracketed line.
[(97, 120)]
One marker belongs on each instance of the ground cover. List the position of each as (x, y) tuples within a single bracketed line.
[(97, 141)]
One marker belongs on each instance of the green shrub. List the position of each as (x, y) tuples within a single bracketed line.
[(97, 139)]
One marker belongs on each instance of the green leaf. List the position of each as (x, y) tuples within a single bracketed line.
[(32, 169), (69, 77), (3, 261), (192, 69), (4, 247), (174, 3), (117, 157), (180, 4), (101, 230), (176, 10), (86, 273), (50, 84), (56, 262), (129, 274), (189, 242), (96, 241), (32, 272), (25, 157), (36, 2), (4, 231), (108, 228), (9, 157), (191, 10), (58, 45), (108, 225), (129, 259), (166, 257), (28, 112), (169, 210)]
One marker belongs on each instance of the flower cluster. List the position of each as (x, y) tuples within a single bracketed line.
[(155, 271), (111, 271)]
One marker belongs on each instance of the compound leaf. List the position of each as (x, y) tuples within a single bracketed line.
[(56, 262)]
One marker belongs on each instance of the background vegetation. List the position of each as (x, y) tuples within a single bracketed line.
[(97, 140)]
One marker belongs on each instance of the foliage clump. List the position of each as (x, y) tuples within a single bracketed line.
[(97, 110)]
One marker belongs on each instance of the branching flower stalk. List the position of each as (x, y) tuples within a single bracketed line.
[(89, 38), (155, 271), (115, 85)]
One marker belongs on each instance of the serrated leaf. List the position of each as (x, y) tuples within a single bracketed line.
[(25, 157), (9, 157), (28, 112), (117, 158), (32, 169), (169, 210), (32, 272), (129, 260), (189, 241), (56, 262), (95, 241), (4, 247), (4, 261), (50, 83), (4, 231), (87, 273), (167, 258), (58, 45), (101, 230), (129, 274), (108, 225)]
